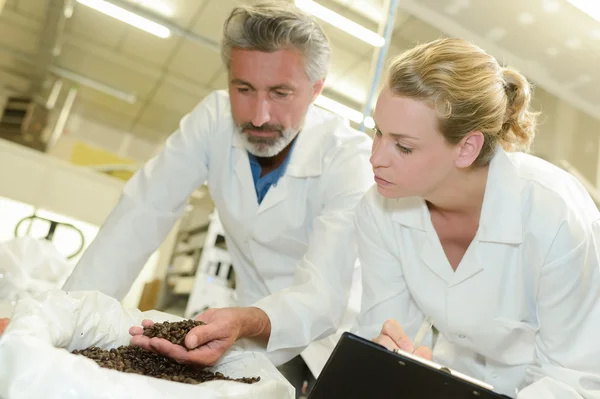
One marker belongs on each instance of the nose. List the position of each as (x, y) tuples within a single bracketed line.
[(379, 154), (262, 111)]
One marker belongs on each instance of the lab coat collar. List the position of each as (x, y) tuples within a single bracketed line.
[(500, 219), (306, 158)]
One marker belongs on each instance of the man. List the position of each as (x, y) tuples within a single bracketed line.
[(285, 177)]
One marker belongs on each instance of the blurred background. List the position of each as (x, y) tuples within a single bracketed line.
[(90, 90)]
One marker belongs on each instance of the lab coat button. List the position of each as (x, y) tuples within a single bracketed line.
[(461, 336), (494, 375)]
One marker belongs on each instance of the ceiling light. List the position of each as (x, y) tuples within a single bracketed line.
[(127, 17), (551, 6), (94, 84), (341, 22), (573, 43), (526, 18), (591, 8), (340, 109)]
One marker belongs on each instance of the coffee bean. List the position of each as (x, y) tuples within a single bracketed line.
[(173, 332), (133, 359)]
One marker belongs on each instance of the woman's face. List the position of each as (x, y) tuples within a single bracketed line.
[(410, 157)]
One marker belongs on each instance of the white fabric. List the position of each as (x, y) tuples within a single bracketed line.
[(35, 364), (522, 309), (29, 266), (294, 254)]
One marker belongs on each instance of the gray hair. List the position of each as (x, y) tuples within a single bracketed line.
[(273, 26)]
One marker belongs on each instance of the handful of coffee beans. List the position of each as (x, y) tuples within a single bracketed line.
[(172, 332), (133, 359)]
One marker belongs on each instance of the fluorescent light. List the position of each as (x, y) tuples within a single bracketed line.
[(344, 111), (94, 84), (591, 8), (340, 109), (127, 17), (341, 22)]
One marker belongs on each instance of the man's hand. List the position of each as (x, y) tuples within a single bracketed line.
[(393, 337), (3, 325), (209, 342)]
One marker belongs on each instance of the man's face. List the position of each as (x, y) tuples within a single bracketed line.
[(270, 94)]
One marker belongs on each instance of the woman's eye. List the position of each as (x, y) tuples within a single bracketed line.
[(403, 149)]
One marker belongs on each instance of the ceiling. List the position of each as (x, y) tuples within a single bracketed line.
[(553, 43)]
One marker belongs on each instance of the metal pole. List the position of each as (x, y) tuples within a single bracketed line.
[(389, 29)]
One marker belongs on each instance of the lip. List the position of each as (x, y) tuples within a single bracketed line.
[(258, 133), (382, 182)]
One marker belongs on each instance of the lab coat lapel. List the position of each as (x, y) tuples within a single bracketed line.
[(244, 173), (277, 193), (434, 257), (413, 213)]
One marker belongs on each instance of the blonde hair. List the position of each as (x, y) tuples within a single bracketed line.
[(470, 92), (273, 26)]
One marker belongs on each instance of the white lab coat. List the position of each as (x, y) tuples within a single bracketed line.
[(294, 254), (522, 311)]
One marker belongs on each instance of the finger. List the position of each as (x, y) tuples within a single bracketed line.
[(142, 341), (202, 335), (392, 329), (424, 352), (206, 355), (386, 341), (166, 348), (147, 323), (3, 324), (136, 331)]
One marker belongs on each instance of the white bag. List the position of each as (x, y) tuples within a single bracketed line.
[(35, 361), (29, 266)]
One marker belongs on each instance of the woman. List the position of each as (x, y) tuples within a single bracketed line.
[(499, 248)]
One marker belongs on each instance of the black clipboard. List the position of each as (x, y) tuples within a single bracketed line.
[(361, 369)]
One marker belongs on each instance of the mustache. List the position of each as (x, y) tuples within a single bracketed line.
[(263, 128)]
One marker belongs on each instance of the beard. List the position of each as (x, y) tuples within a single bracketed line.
[(266, 147)]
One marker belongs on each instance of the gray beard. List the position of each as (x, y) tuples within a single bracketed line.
[(267, 147)]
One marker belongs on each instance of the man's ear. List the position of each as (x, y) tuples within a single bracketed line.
[(469, 149), (318, 88)]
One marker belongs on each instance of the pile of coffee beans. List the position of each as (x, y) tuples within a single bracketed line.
[(133, 359), (174, 332)]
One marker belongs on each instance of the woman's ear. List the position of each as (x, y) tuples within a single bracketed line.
[(469, 149)]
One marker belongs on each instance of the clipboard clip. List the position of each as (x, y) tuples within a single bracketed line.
[(444, 369)]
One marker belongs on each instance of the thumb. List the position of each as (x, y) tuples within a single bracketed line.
[(201, 335), (392, 329), (424, 352)]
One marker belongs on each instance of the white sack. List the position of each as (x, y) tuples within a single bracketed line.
[(35, 361), (29, 266)]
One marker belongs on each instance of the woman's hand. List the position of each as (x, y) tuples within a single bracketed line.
[(393, 337)]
